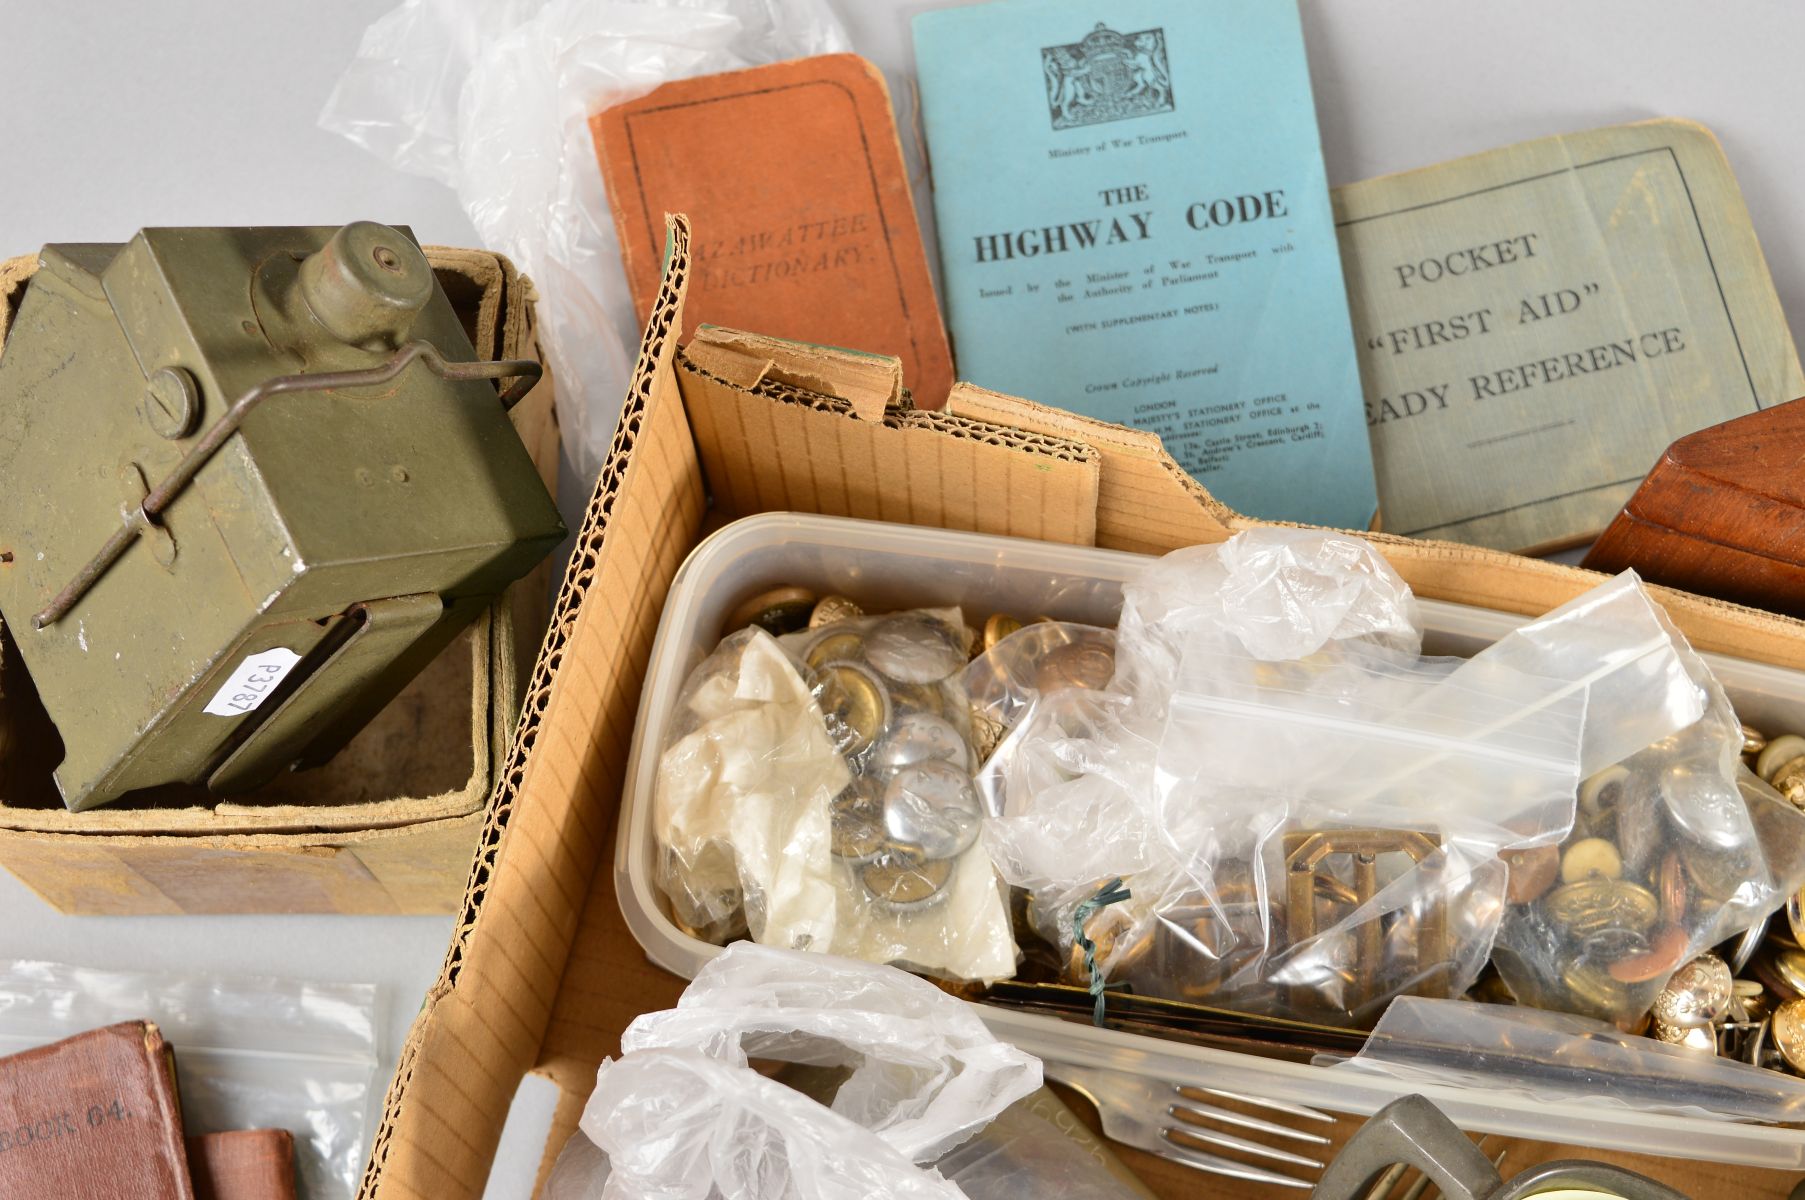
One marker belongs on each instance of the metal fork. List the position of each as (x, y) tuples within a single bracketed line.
[(1170, 1120)]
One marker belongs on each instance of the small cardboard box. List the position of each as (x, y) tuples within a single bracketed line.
[(389, 825), (542, 974)]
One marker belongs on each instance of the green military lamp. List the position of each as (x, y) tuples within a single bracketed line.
[(251, 482)]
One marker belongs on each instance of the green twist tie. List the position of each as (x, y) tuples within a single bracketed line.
[(1113, 892)]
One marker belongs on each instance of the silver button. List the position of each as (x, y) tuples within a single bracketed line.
[(933, 807), (918, 737)]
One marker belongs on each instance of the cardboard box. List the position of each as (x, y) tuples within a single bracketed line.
[(389, 825), (542, 973)]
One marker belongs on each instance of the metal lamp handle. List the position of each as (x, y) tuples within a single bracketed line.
[(523, 372)]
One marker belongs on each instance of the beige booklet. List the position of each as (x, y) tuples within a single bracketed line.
[(1536, 324)]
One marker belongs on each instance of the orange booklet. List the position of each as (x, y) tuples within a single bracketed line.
[(793, 179)]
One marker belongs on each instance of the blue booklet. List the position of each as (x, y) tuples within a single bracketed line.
[(1134, 224)]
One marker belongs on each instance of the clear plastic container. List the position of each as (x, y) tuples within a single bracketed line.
[(904, 566)]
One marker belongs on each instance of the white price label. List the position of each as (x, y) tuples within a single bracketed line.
[(252, 683)]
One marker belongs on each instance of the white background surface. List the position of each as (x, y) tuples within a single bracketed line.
[(202, 112)]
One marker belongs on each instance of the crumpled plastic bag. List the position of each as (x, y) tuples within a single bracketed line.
[(493, 98), (681, 1113), (741, 803), (678, 1123), (926, 1072)]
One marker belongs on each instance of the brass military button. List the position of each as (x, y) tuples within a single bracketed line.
[(1532, 873), (857, 813), (830, 610), (1789, 965), (1090, 665), (1698, 994), (840, 646), (1593, 989), (1752, 741), (777, 612), (1702, 1038), (1588, 857), (933, 807), (1597, 905), (998, 627), (855, 703), (904, 881), (1788, 1032), (914, 649), (916, 737), (1777, 753)]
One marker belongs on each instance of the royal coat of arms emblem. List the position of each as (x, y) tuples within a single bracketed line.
[(1108, 76)]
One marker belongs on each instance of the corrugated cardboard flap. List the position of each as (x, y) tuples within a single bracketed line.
[(869, 383), (770, 446), (484, 1020)]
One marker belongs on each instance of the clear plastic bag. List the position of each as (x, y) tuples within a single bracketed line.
[(1310, 815), (682, 1112), (816, 793), (1676, 846), (1004, 682), (493, 97), (1558, 1057), (251, 1053), (1276, 593)]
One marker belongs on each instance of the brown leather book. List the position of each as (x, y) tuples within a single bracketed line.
[(793, 178), (1722, 514), (245, 1164), (95, 1115)]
